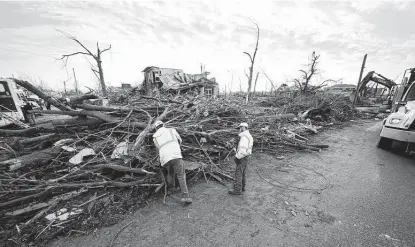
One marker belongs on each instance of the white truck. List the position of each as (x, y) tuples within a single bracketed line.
[(11, 100), (400, 124)]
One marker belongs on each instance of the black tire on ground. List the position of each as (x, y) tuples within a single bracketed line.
[(385, 143)]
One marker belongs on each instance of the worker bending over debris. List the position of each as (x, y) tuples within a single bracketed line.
[(168, 141), (241, 159)]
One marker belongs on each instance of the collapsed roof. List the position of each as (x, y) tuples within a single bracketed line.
[(179, 82), (176, 79)]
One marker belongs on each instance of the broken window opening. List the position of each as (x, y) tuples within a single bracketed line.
[(208, 92)]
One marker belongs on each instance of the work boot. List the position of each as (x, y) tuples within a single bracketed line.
[(186, 199), (243, 188), (233, 192)]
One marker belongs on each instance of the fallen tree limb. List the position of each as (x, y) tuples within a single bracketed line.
[(24, 132), (71, 185), (79, 121), (41, 94), (35, 139), (84, 113), (80, 99), (98, 115), (300, 146), (51, 202), (103, 108), (37, 216), (97, 184), (116, 109), (25, 198), (141, 137), (123, 169), (37, 158)]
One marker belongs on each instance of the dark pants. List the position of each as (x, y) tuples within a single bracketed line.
[(171, 168), (240, 174), (26, 119), (31, 118)]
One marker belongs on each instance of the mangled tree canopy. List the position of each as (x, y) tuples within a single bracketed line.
[(104, 154)]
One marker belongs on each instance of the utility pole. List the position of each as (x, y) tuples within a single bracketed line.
[(360, 79), (76, 82), (64, 86)]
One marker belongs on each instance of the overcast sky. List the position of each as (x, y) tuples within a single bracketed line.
[(183, 34)]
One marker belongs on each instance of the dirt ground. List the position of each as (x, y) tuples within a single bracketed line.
[(289, 202)]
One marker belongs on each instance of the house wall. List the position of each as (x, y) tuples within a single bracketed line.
[(150, 80), (167, 71), (214, 88), (163, 71)]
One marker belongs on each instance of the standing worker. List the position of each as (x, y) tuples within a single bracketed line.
[(241, 159), (28, 116), (168, 141)]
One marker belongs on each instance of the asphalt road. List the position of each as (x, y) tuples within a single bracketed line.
[(373, 191), (354, 194)]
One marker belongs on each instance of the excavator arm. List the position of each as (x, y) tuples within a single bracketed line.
[(375, 77)]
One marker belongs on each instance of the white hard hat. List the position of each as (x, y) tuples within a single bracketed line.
[(158, 123), (243, 125)]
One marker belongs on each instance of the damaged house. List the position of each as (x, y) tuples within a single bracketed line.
[(175, 81)]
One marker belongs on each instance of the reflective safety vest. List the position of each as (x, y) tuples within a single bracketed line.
[(167, 141), (245, 145)]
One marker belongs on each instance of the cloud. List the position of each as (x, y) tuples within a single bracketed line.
[(184, 34)]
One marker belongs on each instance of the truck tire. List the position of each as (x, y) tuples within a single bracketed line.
[(385, 143)]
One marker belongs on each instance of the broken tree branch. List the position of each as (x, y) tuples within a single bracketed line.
[(123, 169), (41, 94)]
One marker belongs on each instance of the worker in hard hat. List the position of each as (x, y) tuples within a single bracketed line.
[(168, 141), (243, 153)]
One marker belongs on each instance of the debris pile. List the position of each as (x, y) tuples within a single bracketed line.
[(62, 176), (320, 107)]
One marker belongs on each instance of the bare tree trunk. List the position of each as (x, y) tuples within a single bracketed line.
[(101, 73), (256, 79), (251, 68), (98, 71), (76, 82), (251, 71)]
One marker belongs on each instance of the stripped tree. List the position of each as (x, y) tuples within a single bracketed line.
[(98, 70), (251, 68), (256, 79), (303, 83)]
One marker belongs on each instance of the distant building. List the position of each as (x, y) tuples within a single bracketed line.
[(342, 88), (126, 86), (176, 81)]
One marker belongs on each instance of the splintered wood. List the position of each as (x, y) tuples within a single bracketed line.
[(103, 155)]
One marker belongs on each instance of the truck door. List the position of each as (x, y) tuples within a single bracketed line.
[(7, 103)]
